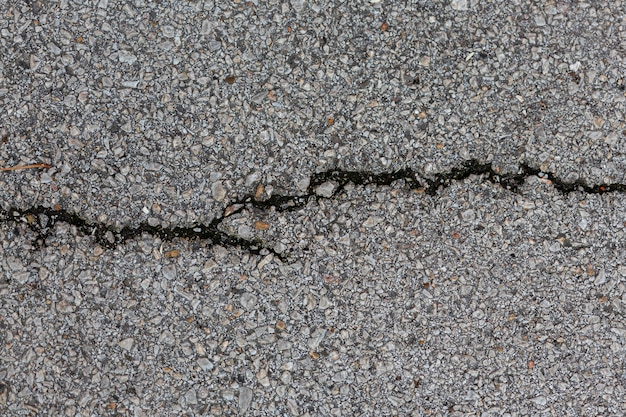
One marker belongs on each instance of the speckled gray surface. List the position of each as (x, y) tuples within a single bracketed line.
[(388, 300)]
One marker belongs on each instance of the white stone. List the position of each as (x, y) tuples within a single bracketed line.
[(459, 4), (326, 189), (316, 338), (126, 57), (372, 221), (127, 344), (217, 191), (205, 364), (245, 399)]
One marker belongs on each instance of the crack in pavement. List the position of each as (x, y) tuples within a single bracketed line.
[(41, 220)]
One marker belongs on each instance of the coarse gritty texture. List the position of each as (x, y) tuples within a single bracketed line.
[(178, 107), (477, 299), (385, 298)]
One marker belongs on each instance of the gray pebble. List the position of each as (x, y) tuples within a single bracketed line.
[(248, 301), (167, 337), (169, 272), (127, 344), (218, 191), (245, 399), (191, 397), (205, 364), (326, 189)]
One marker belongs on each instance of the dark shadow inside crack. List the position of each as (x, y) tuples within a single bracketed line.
[(41, 220)]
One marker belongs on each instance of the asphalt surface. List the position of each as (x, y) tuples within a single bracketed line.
[(312, 209)]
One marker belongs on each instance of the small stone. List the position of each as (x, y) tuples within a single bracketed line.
[(326, 189), (168, 31), (611, 138), (207, 27), (127, 344), (541, 400), (292, 405), (167, 337), (245, 399), (540, 21), (316, 338), (14, 263), (126, 57), (54, 49), (245, 231), (217, 191), (261, 376), (372, 221), (340, 376), (285, 377), (205, 364), (280, 247), (4, 393), (468, 215), (190, 397), (129, 84), (459, 5), (253, 178), (34, 62), (598, 122), (65, 307), (297, 5), (169, 272), (259, 225), (266, 260), (248, 301), (303, 184), (228, 394), (171, 254)]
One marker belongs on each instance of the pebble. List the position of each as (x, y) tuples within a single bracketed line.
[(316, 338), (372, 221), (245, 399), (468, 215), (205, 364), (248, 301), (127, 344), (263, 378), (167, 337), (460, 5), (217, 191), (169, 272), (326, 189), (229, 395), (126, 57), (292, 405)]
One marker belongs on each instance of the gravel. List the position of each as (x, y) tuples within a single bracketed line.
[(385, 298), (172, 107), (518, 308)]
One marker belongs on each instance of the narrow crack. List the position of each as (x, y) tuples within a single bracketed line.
[(41, 220)]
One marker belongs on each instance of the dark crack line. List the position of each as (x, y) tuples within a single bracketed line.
[(43, 219)]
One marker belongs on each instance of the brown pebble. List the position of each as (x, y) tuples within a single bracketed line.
[(171, 254), (258, 193), (261, 225)]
